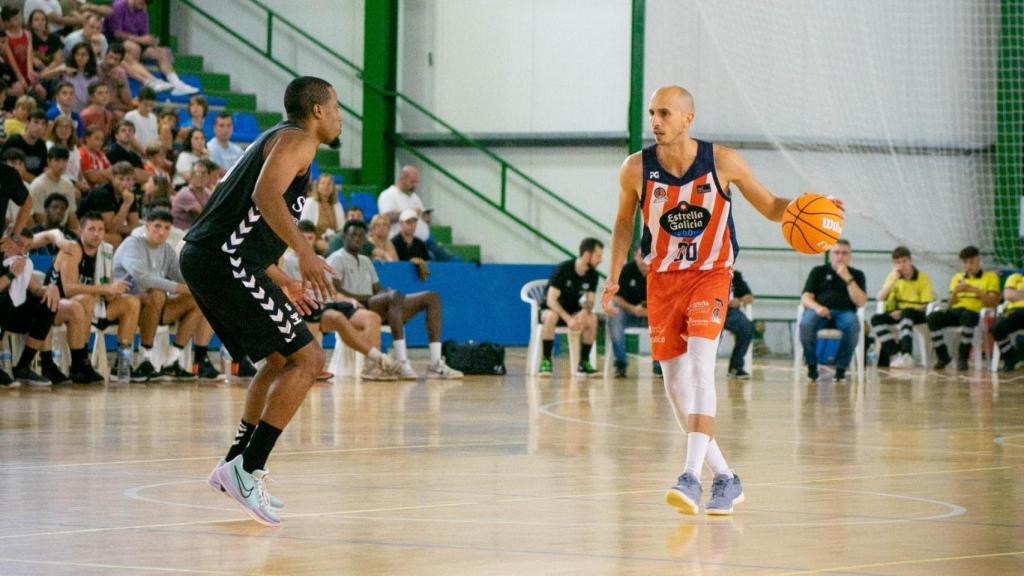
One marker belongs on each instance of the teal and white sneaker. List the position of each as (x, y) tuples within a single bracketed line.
[(249, 490), (685, 495), (214, 483), (726, 492)]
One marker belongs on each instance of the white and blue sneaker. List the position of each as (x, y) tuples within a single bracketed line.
[(726, 492), (248, 489), (214, 483), (685, 495)]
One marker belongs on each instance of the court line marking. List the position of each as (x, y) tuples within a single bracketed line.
[(213, 457), (117, 566), (546, 411), (954, 510), (901, 563)]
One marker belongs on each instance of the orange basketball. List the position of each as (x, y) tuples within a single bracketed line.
[(812, 224)]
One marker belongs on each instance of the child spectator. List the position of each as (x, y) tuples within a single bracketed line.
[(97, 115)]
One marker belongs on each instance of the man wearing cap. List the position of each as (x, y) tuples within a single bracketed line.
[(408, 246)]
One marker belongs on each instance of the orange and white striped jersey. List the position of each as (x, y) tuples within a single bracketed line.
[(687, 221)]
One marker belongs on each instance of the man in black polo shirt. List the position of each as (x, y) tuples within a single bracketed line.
[(571, 281), (742, 328), (118, 201), (121, 150), (630, 309), (831, 296), (32, 142)]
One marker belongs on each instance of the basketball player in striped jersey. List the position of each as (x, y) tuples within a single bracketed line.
[(684, 189)]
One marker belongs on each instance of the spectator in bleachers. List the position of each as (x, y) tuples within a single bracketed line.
[(152, 264), (408, 246), (52, 181), (47, 46), (19, 55), (323, 209), (969, 292), (174, 237), (54, 218), (156, 188), (378, 245), (26, 307), (53, 12), (110, 72), (198, 108), (144, 118), (906, 293), (117, 202), (13, 192), (32, 143), (18, 121), (91, 35), (1006, 327), (93, 163), (354, 213), (122, 149), (155, 162), (358, 327), (97, 114), (222, 150), (569, 301), (62, 132), (128, 22), (194, 150), (15, 158), (402, 196), (189, 202), (357, 278), (742, 328), (82, 275), (831, 296), (630, 309), (80, 72), (63, 106)]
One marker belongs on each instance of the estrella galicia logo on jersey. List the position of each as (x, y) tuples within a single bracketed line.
[(704, 188), (660, 194), (685, 220)]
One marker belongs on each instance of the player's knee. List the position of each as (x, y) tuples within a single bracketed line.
[(133, 304)]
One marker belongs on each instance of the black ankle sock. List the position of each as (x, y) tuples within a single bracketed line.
[(80, 357), (46, 358), (549, 345), (585, 353), (27, 356), (242, 437), (255, 455), (201, 352)]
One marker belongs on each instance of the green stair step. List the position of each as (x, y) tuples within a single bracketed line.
[(268, 119), (213, 81), (468, 252), (350, 176), (188, 64), (442, 234), (235, 101), (327, 158), (361, 188)]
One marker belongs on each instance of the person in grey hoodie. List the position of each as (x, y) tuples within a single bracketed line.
[(150, 265)]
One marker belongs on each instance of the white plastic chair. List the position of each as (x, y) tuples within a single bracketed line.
[(347, 361), (609, 357), (922, 335), (161, 349), (858, 353), (531, 293), (996, 353)]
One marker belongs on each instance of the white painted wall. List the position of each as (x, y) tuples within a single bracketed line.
[(336, 23)]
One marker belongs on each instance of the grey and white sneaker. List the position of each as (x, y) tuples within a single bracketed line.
[(214, 481), (726, 492), (375, 370), (405, 371), (902, 361), (685, 495), (441, 370), (159, 85)]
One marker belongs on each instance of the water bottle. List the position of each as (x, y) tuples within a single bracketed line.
[(57, 354), (5, 359), (124, 364), (225, 362)]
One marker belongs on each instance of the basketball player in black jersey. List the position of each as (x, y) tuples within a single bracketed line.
[(229, 262)]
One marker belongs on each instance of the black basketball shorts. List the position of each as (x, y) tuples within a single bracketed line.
[(249, 312)]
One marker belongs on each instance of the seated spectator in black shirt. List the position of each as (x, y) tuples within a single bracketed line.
[(117, 201), (32, 143), (630, 308), (122, 150), (56, 209), (15, 158), (738, 323), (408, 246), (831, 296), (571, 282)]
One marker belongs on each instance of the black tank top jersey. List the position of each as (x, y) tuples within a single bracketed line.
[(232, 224), (86, 269)]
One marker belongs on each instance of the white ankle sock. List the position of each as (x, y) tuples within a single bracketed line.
[(173, 78), (374, 354), (147, 353), (435, 352), (696, 449), (716, 461), (400, 353), (174, 355)]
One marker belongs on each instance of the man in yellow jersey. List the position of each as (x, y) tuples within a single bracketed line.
[(969, 292), (1011, 321), (906, 293), (683, 188)]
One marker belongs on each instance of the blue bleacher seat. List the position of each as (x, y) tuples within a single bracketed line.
[(314, 170), (366, 201), (247, 129)]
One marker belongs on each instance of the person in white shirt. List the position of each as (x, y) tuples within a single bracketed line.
[(55, 14), (223, 151), (402, 196), (144, 118)]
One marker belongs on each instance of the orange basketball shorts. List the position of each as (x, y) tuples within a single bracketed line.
[(684, 304)]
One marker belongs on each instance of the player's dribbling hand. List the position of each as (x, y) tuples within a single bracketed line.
[(610, 289), (316, 271)]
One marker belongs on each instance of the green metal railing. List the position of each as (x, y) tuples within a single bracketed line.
[(507, 169)]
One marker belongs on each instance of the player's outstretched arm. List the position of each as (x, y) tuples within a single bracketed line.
[(289, 156), (733, 169), (630, 180)]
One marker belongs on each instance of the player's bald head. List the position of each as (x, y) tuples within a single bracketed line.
[(673, 96)]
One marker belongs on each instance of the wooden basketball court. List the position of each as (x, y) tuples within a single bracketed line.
[(907, 473)]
